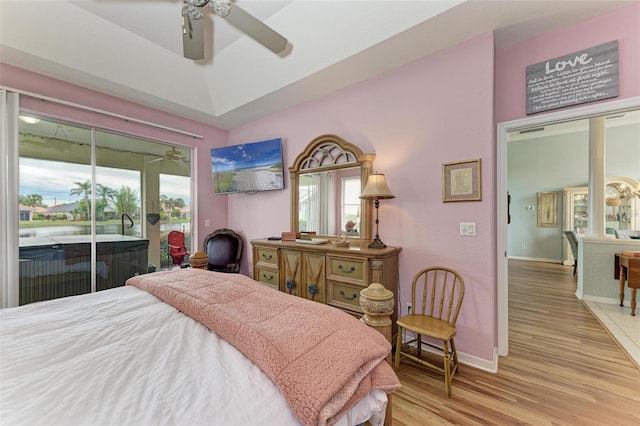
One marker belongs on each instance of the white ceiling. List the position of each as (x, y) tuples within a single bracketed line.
[(133, 48)]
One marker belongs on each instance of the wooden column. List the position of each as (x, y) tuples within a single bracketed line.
[(378, 303)]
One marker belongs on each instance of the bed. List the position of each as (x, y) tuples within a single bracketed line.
[(145, 354)]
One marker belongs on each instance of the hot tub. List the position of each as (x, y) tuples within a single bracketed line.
[(59, 266)]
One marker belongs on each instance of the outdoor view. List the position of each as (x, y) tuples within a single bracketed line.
[(56, 197)]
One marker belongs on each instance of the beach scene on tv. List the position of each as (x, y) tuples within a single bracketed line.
[(248, 167)]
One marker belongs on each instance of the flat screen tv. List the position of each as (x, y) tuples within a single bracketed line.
[(250, 167)]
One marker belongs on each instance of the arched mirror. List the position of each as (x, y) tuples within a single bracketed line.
[(327, 179), (621, 208)]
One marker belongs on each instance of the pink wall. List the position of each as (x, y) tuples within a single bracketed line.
[(209, 207), (411, 118), (511, 62)]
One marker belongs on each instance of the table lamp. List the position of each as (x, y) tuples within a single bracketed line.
[(376, 189)]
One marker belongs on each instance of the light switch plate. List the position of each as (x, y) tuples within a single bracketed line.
[(468, 229), (207, 223)]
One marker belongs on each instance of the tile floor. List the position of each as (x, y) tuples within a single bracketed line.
[(621, 325)]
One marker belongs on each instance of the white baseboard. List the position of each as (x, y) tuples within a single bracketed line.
[(490, 366), (607, 300), (536, 259)]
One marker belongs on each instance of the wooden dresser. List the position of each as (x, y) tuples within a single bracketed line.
[(325, 273)]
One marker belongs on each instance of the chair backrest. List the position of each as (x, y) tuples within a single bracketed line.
[(573, 242), (224, 248), (438, 292), (175, 239)]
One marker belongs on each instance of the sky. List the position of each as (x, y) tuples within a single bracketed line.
[(53, 180)]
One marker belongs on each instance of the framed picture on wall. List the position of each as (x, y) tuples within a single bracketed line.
[(547, 209), (461, 181)]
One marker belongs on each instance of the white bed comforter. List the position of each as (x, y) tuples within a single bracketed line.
[(123, 357)]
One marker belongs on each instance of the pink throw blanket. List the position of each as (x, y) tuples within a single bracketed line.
[(322, 359)]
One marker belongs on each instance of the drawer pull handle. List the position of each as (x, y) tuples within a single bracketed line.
[(353, 268), (313, 289), (289, 284), (347, 297), (264, 256), (269, 278)]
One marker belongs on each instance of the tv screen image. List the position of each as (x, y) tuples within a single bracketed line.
[(250, 167)]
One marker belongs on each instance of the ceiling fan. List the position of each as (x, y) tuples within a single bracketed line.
[(193, 26), (172, 155)]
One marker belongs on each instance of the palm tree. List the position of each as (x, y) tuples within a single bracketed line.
[(166, 204), (126, 200), (178, 203), (31, 200), (83, 188), (105, 193)]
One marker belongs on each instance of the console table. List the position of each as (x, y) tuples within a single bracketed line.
[(628, 267), (324, 273)]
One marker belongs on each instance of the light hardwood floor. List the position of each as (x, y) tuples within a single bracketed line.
[(563, 367)]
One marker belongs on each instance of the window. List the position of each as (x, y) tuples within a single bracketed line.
[(84, 224), (350, 212)]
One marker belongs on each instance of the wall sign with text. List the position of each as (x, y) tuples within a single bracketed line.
[(585, 76)]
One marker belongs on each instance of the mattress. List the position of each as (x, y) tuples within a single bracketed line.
[(123, 357)]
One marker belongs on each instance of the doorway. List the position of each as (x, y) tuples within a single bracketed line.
[(503, 130)]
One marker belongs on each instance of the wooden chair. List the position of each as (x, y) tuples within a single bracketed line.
[(436, 298)]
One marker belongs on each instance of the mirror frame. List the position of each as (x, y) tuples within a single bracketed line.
[(314, 159)]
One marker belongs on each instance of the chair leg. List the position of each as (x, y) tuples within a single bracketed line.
[(575, 266), (447, 369), (396, 362), (454, 352)]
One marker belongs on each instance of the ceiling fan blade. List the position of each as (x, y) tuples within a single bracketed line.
[(256, 29), (155, 160), (192, 37)]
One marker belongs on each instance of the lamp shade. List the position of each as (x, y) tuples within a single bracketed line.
[(376, 188)]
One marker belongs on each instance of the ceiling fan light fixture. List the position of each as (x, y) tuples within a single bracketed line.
[(221, 7), (191, 11), (28, 120)]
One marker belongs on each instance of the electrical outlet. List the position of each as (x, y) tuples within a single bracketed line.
[(408, 308)]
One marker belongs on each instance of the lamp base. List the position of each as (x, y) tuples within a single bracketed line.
[(377, 244)]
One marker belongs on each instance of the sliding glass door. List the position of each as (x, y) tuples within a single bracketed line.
[(55, 227), (90, 207)]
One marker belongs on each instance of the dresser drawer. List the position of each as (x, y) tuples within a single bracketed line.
[(348, 270), (267, 276), (267, 256), (344, 296)]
